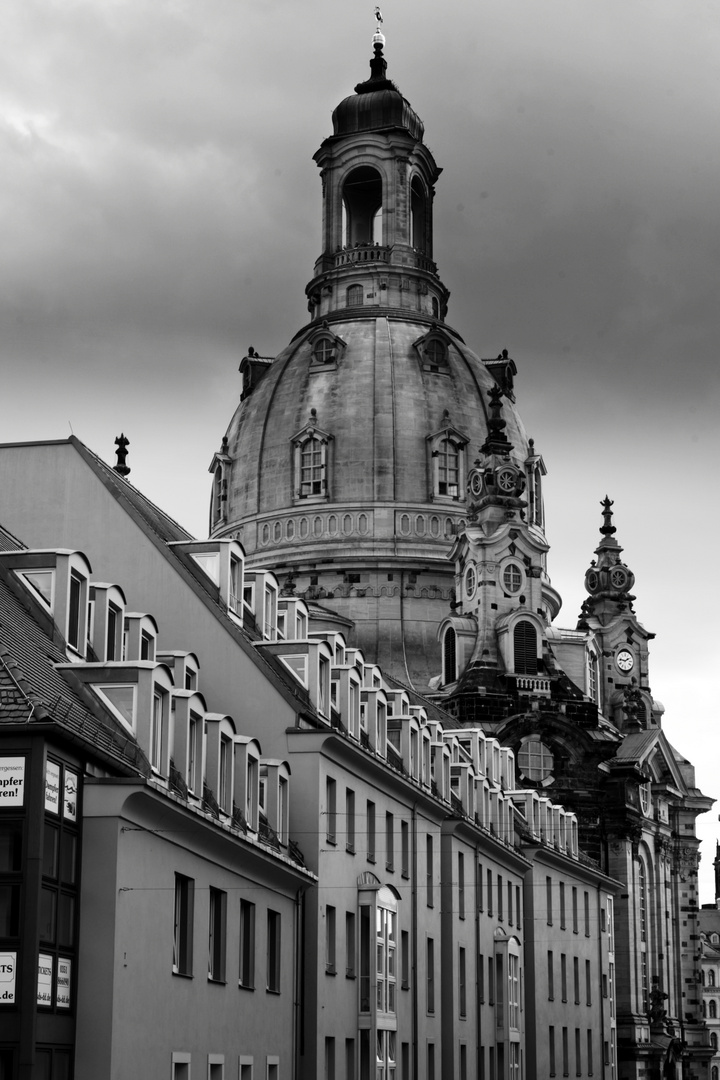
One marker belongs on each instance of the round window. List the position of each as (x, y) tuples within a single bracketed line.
[(470, 582), (535, 759), (512, 578)]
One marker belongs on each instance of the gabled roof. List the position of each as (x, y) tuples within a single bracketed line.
[(8, 542), (639, 747), (32, 692)]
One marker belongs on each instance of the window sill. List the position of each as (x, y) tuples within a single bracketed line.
[(245, 986), (371, 858), (217, 982), (330, 969), (183, 974), (269, 990), (350, 848)]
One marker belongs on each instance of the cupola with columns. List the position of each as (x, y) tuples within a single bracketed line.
[(378, 181)]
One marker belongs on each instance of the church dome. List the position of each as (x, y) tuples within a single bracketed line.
[(345, 466)]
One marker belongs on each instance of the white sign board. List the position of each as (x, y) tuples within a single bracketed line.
[(63, 982), (8, 967), (52, 787), (44, 983), (12, 782)]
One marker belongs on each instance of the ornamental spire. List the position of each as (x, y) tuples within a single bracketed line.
[(608, 579)]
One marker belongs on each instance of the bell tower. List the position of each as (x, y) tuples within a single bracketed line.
[(378, 183)]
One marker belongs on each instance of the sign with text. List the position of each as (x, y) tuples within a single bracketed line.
[(62, 983), (8, 967), (52, 787), (44, 982), (12, 782)]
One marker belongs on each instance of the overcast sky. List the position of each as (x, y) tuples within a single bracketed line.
[(161, 212)]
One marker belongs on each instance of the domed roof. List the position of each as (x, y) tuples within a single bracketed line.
[(376, 104), (378, 404)]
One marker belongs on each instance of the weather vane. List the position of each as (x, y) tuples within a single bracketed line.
[(378, 36)]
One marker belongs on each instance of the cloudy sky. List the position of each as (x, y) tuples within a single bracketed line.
[(161, 212)]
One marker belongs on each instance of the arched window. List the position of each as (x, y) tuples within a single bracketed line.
[(712, 1009), (354, 296), (714, 1073), (362, 203), (525, 648), (418, 222), (512, 578), (449, 656)]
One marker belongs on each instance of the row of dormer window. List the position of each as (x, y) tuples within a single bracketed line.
[(154, 694)]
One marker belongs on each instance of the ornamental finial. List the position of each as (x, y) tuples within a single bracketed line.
[(607, 528)]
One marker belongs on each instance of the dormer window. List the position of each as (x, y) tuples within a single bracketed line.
[(326, 347), (433, 350), (446, 450), (147, 646), (158, 728), (42, 583), (312, 464), (525, 648)]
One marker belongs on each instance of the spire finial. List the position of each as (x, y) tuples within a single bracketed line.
[(378, 36), (121, 465), (607, 527)]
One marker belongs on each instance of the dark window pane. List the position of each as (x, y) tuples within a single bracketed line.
[(43, 1061), (48, 901), (9, 910), (66, 919), (50, 851), (10, 849), (6, 1063), (68, 848), (61, 1065)]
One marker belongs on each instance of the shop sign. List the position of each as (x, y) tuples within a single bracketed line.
[(63, 983), (52, 787), (8, 967), (12, 782), (71, 795)]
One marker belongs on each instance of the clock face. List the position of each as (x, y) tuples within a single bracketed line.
[(625, 660)]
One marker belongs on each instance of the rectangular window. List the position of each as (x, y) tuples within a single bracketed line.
[(510, 903), (389, 842), (194, 777), (481, 978), (430, 975), (461, 885), (247, 944), (405, 959), (518, 908), (551, 1050), (490, 981), (480, 887), (350, 820), (217, 935), (371, 831), (463, 1062), (147, 646), (76, 583), (589, 1051), (489, 892), (156, 730), (550, 976), (562, 905), (349, 1059), (586, 899), (462, 987), (576, 979), (578, 1053), (499, 897), (330, 939), (329, 1058), (183, 939), (225, 785), (565, 1052), (331, 810), (429, 870), (405, 849), (431, 1061), (364, 959), (549, 900), (588, 983), (273, 951), (350, 944), (563, 976), (575, 910)]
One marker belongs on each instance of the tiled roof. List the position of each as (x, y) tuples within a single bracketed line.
[(31, 690), (8, 542)]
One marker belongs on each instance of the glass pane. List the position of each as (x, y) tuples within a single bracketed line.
[(10, 849), (66, 919), (48, 901), (50, 851), (9, 910), (68, 847)]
